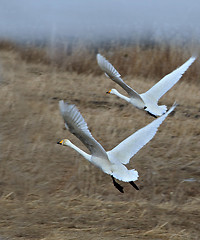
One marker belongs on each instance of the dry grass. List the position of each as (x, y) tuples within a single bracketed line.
[(50, 192), (151, 62)]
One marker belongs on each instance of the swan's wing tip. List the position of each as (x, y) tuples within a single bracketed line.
[(175, 104), (65, 105), (61, 104), (61, 101), (194, 56), (99, 57), (107, 67)]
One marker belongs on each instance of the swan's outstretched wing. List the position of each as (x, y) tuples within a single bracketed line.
[(160, 88), (131, 145), (113, 74), (76, 124)]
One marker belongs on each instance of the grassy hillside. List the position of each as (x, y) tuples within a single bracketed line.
[(50, 192)]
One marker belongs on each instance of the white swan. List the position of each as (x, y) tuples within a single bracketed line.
[(111, 162), (148, 100)]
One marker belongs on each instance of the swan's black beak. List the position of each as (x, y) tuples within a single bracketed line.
[(108, 92), (60, 142)]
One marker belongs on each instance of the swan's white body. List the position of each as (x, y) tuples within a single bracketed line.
[(111, 162), (148, 100)]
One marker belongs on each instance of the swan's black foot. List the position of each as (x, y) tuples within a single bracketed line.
[(152, 114), (134, 185), (119, 187)]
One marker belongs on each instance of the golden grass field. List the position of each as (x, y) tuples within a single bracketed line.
[(49, 192)]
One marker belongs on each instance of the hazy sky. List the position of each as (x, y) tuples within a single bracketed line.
[(99, 19)]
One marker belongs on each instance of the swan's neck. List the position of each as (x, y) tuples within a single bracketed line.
[(81, 152), (121, 96)]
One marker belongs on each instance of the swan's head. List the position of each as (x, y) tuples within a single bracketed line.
[(113, 91), (64, 142)]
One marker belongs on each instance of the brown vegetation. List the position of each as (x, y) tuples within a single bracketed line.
[(130, 60), (49, 192)]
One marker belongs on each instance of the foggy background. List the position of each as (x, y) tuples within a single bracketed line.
[(24, 20)]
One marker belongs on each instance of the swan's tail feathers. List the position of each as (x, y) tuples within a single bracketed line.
[(156, 112), (163, 108), (123, 174)]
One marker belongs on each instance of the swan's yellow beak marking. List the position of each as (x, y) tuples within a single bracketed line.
[(108, 91), (60, 142)]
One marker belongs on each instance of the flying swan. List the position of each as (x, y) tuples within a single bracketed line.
[(112, 162), (148, 100)]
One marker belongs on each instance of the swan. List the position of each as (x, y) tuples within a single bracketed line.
[(148, 100), (112, 162)]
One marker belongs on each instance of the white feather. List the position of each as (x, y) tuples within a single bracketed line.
[(70, 111), (107, 67), (111, 162), (131, 145), (147, 101), (167, 82)]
